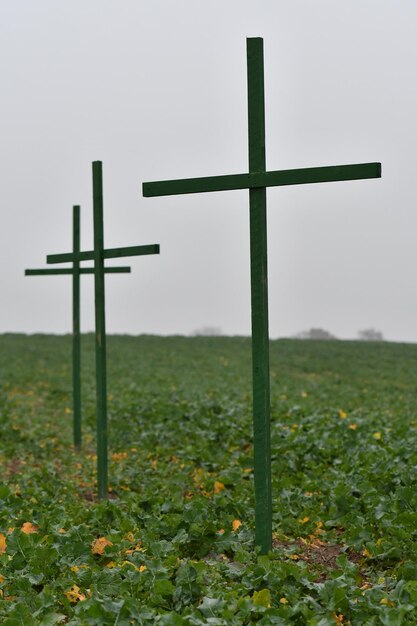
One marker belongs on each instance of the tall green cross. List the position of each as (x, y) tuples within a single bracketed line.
[(98, 255), (75, 272), (257, 179)]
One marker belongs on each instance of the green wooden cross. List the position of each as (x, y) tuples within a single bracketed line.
[(75, 272), (257, 179), (98, 255)]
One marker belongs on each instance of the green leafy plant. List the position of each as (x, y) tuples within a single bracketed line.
[(174, 543)]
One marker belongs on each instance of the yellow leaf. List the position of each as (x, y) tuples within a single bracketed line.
[(366, 553), (139, 547), (74, 594), (98, 546), (28, 528), (236, 524), (1, 579), (295, 557), (377, 436), (262, 598), (283, 600), (111, 564), (218, 487), (387, 602), (353, 426), (366, 585), (75, 568), (304, 520), (2, 544), (142, 568), (342, 414), (118, 456)]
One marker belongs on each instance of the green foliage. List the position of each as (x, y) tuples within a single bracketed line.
[(174, 544)]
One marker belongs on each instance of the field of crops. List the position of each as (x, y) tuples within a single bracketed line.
[(174, 543)]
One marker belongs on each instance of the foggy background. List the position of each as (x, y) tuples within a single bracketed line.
[(156, 89)]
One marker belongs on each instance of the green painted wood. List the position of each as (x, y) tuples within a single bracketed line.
[(75, 271), (98, 255), (110, 253), (259, 300), (76, 337), (101, 377), (278, 178), (257, 179), (68, 271)]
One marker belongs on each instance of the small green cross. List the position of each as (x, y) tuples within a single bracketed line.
[(98, 255), (75, 272), (257, 179)]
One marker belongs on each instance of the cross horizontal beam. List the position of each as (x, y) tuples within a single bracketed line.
[(275, 178), (110, 253), (82, 270)]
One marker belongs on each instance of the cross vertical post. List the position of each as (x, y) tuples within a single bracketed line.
[(76, 337), (101, 385), (259, 298)]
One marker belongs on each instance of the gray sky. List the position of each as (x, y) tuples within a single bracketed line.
[(156, 89)]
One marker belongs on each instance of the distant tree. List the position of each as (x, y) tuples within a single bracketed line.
[(208, 331), (315, 333), (370, 334)]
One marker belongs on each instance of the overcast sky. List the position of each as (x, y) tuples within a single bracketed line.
[(156, 89)]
